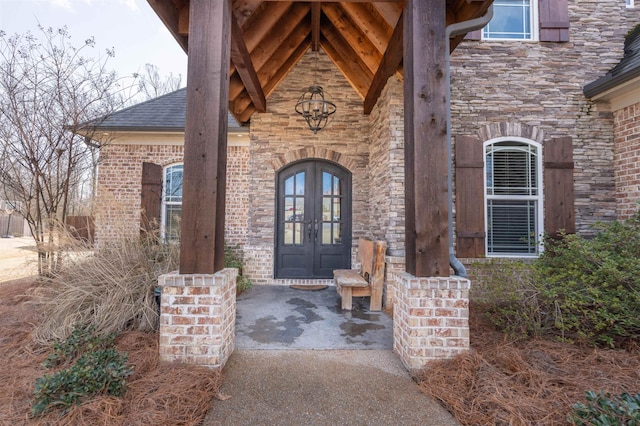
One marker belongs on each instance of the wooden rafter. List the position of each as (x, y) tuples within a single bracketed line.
[(356, 35), (388, 66), (316, 11), (244, 67)]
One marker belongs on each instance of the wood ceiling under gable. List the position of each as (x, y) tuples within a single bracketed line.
[(362, 38)]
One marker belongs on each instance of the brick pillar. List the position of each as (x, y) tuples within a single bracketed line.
[(430, 318), (197, 317), (394, 265)]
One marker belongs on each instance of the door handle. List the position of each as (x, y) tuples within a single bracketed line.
[(309, 226), (316, 228)]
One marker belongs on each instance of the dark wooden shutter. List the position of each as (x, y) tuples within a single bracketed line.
[(470, 230), (558, 186), (151, 197), (554, 20), (474, 35)]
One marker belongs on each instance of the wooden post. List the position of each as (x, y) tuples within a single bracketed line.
[(205, 147), (425, 115)]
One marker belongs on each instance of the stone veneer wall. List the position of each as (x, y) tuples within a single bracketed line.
[(540, 84), (627, 160), (280, 136), (386, 168), (119, 188), (197, 318)]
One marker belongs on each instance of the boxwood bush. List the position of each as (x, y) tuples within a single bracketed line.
[(590, 287)]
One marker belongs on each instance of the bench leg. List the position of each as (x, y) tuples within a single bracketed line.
[(375, 302), (347, 299)]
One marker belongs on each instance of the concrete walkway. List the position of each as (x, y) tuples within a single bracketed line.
[(18, 258), (301, 361), (304, 387)]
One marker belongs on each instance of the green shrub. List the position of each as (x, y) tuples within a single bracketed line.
[(233, 259), (95, 368), (508, 296), (602, 409), (592, 286)]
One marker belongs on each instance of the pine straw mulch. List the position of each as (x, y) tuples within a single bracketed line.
[(534, 382), (156, 394)]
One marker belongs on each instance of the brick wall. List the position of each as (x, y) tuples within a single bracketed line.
[(197, 318), (627, 160), (118, 199), (430, 319)]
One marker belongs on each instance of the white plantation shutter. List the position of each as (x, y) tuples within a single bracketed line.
[(513, 198)]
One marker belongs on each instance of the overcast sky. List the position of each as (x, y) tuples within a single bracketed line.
[(129, 26)]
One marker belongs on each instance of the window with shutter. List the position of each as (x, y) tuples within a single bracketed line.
[(513, 197), (172, 202), (543, 20), (512, 20)]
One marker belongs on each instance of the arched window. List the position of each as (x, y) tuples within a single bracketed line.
[(513, 197), (172, 201)]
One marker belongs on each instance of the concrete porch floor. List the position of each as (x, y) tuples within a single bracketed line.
[(281, 317)]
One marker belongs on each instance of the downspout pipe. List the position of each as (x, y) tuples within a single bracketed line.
[(452, 31)]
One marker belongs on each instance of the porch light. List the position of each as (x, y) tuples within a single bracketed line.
[(315, 109)]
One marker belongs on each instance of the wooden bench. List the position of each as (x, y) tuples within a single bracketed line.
[(368, 281)]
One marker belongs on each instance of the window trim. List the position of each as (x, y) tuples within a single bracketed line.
[(539, 198), (165, 203), (629, 4), (534, 22)]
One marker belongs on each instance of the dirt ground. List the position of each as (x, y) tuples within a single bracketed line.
[(156, 394), (17, 258), (498, 382)]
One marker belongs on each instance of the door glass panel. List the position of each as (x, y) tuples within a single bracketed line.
[(300, 183), (337, 234), (326, 183), (336, 210), (288, 186), (288, 208), (336, 185), (288, 233), (326, 233), (326, 209), (297, 233)]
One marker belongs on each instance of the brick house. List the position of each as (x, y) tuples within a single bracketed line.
[(534, 98), (531, 153)]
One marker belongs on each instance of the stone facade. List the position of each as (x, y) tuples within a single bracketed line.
[(540, 84), (198, 316), (627, 160), (280, 136)]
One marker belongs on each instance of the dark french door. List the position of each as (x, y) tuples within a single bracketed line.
[(313, 220)]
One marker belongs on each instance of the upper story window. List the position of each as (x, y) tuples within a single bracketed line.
[(630, 4), (172, 201), (513, 197), (512, 20)]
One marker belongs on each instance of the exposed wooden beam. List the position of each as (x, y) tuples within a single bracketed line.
[(343, 56), (205, 147), (388, 66), (169, 16), (244, 67), (370, 24), (273, 68), (316, 11), (425, 132), (351, 34), (389, 11), (277, 36)]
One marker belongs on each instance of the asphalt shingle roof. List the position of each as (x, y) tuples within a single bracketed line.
[(164, 113), (627, 69)]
